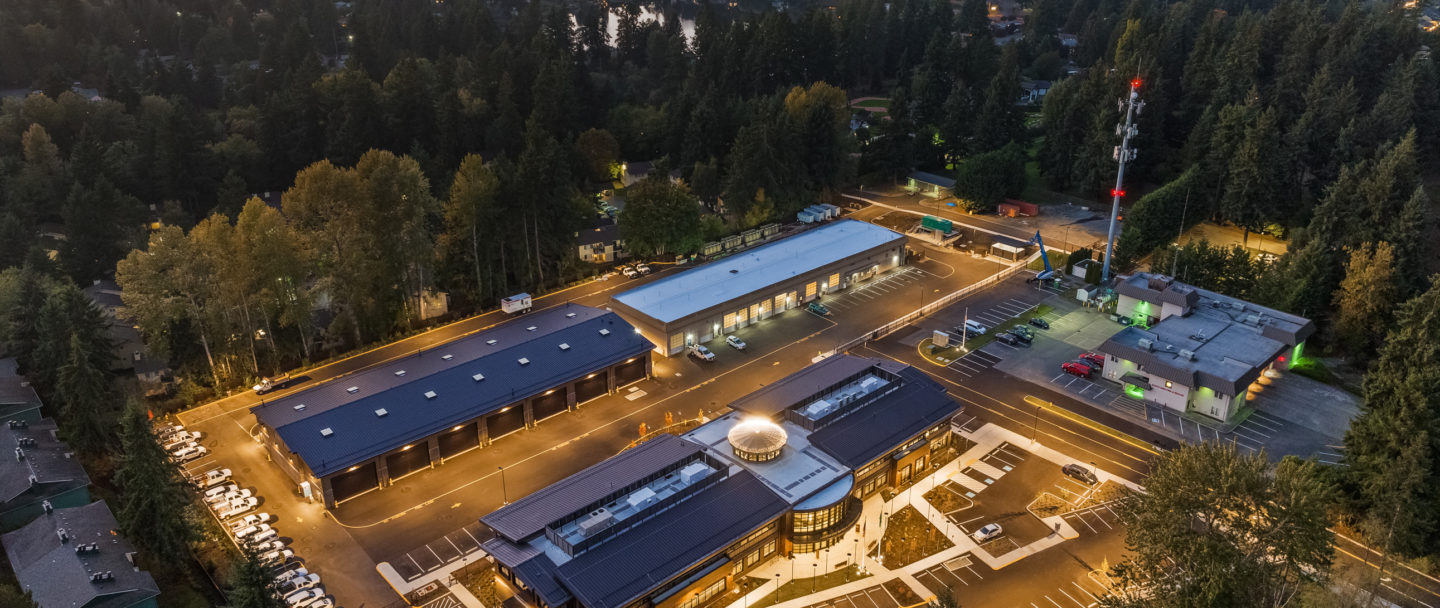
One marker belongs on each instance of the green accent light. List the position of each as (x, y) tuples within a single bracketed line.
[(1141, 316), (1296, 354), (1134, 391)]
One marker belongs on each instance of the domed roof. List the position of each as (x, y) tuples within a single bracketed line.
[(757, 437)]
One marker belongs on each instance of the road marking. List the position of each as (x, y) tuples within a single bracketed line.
[(1084, 590), (1057, 604), (1077, 602)]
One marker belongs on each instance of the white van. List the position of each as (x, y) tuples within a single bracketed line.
[(298, 582), (975, 328)]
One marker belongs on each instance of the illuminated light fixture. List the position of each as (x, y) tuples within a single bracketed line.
[(457, 427), (352, 468), (1135, 83), (590, 376), (637, 330), (1117, 192), (407, 447), (506, 409), (549, 391), (630, 360)]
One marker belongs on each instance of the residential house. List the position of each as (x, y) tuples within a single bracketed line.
[(43, 474), (77, 557)]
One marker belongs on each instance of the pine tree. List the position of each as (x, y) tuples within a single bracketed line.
[(1393, 447), (153, 498), (251, 584), (1253, 188), (1366, 297), (1001, 121), (85, 397)]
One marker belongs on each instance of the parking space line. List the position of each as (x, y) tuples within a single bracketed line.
[(1087, 524), (1085, 591), (1267, 417), (1072, 598), (1262, 424), (1057, 604), (1102, 521), (1251, 430)]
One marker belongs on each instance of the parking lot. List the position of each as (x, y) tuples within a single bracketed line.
[(1005, 482), (870, 597)]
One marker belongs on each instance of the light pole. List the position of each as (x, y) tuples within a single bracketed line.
[(827, 560), (777, 586), (849, 561), (1123, 154), (814, 575), (504, 493)]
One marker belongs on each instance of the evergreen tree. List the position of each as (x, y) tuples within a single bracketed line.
[(85, 397), (660, 218), (1365, 298), (153, 499), (1393, 446), (1253, 188), (252, 585), (1001, 121)]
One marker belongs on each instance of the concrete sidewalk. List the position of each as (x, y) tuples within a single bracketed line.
[(985, 439)]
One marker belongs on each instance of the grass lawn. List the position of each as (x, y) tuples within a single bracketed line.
[(874, 104), (807, 585), (941, 356), (909, 538), (976, 342)]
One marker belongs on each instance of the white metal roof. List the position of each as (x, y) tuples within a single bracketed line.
[(692, 291)]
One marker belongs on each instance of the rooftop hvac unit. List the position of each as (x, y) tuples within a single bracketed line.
[(49, 508), (34, 480), (430, 394), (326, 432), (596, 521), (60, 532), (640, 498), (85, 549), (1188, 355), (693, 471), (19, 455), (28, 442), (1146, 344), (17, 424), (1237, 305)]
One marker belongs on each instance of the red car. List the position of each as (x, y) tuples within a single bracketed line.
[(1077, 368), (1097, 359)]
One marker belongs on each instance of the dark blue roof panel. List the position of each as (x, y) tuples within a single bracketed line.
[(401, 401), (879, 427), (637, 561)]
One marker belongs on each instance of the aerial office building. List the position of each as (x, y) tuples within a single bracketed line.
[(717, 298), (673, 522), (359, 433), (1194, 350)]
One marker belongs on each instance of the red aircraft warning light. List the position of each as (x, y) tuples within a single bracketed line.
[(1135, 84), (1117, 192)]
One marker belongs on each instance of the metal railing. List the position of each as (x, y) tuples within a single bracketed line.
[(941, 303)]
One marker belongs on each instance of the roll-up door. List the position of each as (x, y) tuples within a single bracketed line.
[(741, 317), (507, 421), (834, 281), (548, 405), (729, 322), (408, 461), (350, 484), (592, 387), (810, 290), (630, 372), (459, 440)]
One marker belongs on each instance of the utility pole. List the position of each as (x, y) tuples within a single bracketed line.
[(1123, 155)]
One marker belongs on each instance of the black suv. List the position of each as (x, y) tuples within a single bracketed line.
[(1038, 322), (1009, 338)]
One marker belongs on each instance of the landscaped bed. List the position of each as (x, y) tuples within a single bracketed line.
[(946, 498), (807, 585), (909, 538), (902, 592)]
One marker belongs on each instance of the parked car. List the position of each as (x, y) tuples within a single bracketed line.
[(629, 272), (1023, 332), (239, 508), (278, 556), (1021, 339), (1080, 473), (269, 384), (290, 572), (1008, 338), (818, 308), (314, 601), (254, 519), (268, 546), (189, 453), (642, 268), (700, 352), (175, 440), (263, 536), (1076, 368), (213, 478), (974, 328), (251, 530), (735, 342), (214, 494), (297, 583), (184, 445), (1096, 360), (231, 496), (323, 602), (987, 533), (295, 598), (1038, 322)]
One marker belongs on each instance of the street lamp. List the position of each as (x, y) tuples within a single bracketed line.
[(814, 574), (848, 561), (827, 560), (504, 493), (777, 586)]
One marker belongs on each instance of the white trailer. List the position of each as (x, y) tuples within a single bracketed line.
[(517, 303)]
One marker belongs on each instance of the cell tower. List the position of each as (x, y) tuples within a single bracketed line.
[(1131, 106)]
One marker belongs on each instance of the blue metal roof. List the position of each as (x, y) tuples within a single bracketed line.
[(388, 406), (645, 557), (873, 430)]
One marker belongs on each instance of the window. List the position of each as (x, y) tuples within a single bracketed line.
[(920, 463), (871, 485), (768, 549), (705, 594), (905, 474), (756, 535), (753, 557), (937, 444), (735, 570)]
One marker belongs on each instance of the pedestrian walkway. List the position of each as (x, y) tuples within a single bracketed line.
[(964, 554)]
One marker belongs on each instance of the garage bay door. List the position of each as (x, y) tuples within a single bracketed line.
[(507, 421), (350, 484), (404, 463), (630, 372), (549, 405), (459, 440), (591, 388)]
